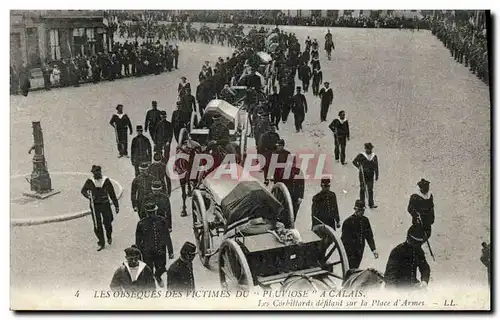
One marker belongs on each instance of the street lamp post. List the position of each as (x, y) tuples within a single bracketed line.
[(40, 182)]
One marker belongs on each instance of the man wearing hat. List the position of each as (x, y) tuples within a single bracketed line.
[(325, 208), (188, 103), (317, 78), (133, 275), (218, 132), (164, 135), (299, 109), (141, 188), (162, 201), (153, 117), (421, 207), (178, 121), (405, 258), (305, 75), (367, 164), (121, 122), (340, 129), (283, 157), (158, 170), (99, 189), (180, 275), (326, 95), (140, 150), (151, 238), (356, 229)]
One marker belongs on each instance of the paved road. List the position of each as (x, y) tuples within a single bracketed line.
[(425, 114)]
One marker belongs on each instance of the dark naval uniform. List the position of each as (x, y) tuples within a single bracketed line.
[(122, 124), (369, 164), (305, 75), (401, 269), (163, 137), (326, 96), (356, 229), (317, 79), (423, 205), (158, 170), (152, 119), (141, 152), (102, 190), (180, 276), (325, 208), (340, 129), (122, 279), (266, 147), (299, 109), (141, 188), (162, 201), (151, 238)]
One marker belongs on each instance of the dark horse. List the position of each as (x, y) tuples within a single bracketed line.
[(183, 167)]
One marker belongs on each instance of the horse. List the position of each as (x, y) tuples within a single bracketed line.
[(184, 167)]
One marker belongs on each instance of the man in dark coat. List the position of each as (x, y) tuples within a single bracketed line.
[(356, 229), (133, 275), (164, 135), (296, 185), (162, 201), (299, 109), (158, 169), (326, 95), (283, 157), (405, 258), (141, 188), (99, 189), (367, 164), (421, 207), (188, 103), (340, 129), (151, 239), (218, 131), (325, 209), (183, 86), (305, 75), (153, 117), (140, 150), (121, 122), (267, 146), (275, 107), (317, 79), (180, 275), (176, 56)]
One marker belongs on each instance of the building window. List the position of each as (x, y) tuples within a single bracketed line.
[(79, 41), (316, 13), (360, 12), (90, 48), (55, 48)]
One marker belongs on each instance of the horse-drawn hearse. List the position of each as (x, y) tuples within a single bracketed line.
[(260, 246)]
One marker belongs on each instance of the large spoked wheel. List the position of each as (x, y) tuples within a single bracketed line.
[(234, 271), (193, 122), (200, 228), (183, 136), (281, 193), (335, 258)]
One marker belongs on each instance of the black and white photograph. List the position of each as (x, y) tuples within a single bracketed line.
[(333, 160)]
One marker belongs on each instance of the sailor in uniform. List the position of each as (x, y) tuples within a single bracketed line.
[(340, 129), (326, 95), (121, 122), (99, 189), (367, 163), (405, 259), (180, 275), (421, 207), (141, 188)]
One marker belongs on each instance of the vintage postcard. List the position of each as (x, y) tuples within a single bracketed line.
[(250, 159)]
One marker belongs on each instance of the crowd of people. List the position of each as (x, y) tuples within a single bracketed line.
[(466, 43), (124, 60)]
